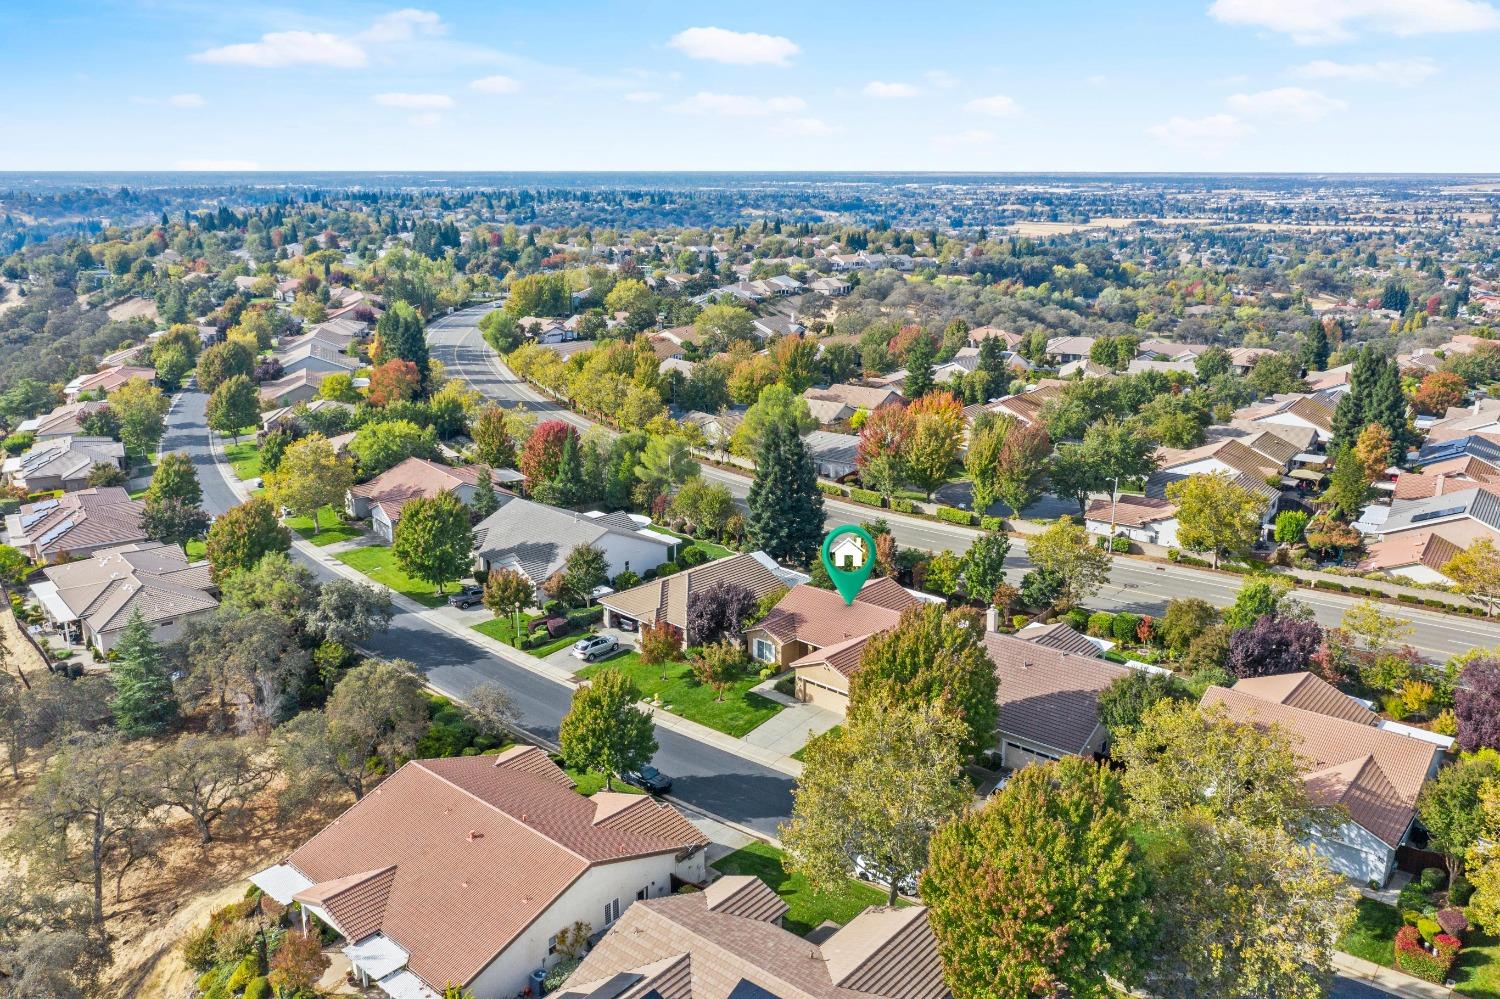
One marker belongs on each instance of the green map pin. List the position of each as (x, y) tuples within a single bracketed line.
[(848, 577)]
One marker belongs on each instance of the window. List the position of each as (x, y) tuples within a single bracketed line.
[(611, 912), (552, 944), (643, 894), (764, 651)]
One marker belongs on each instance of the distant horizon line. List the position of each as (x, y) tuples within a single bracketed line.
[(742, 172)]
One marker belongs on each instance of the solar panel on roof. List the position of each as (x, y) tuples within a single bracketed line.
[(1435, 514), (55, 532), (749, 990)]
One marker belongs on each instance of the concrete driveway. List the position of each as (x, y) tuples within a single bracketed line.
[(789, 730)]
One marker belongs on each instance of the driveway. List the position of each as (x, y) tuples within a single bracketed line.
[(789, 730)]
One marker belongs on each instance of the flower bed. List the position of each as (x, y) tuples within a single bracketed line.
[(1414, 957)]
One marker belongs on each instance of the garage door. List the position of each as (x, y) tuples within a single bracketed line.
[(822, 696), (1017, 756)]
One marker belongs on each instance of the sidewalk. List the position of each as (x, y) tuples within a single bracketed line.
[(1388, 979)]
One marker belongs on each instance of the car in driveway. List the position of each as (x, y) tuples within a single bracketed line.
[(469, 596), (648, 779), (594, 647), (906, 886)]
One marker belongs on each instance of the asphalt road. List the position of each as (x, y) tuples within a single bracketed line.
[(1137, 586), (704, 777)]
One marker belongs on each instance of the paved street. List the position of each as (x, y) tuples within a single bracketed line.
[(1137, 586), (705, 777)]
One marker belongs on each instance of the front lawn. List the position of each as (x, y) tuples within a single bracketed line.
[(332, 528), (379, 564), (712, 549), (196, 550), (500, 630), (809, 908), (682, 694), (1373, 934), (591, 782), (244, 458), (1478, 969)]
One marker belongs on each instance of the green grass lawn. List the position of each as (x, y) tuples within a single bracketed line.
[(682, 694), (591, 782), (809, 908), (710, 548), (501, 631), (1373, 935), (379, 564), (1478, 970), (244, 458), (196, 550), (332, 528)]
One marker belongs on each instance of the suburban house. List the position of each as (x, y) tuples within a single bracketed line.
[(1048, 700), (1291, 409), (1374, 771), (832, 454), (76, 525), (1070, 348), (289, 390), (464, 871), (839, 401), (1250, 469), (1242, 359), (814, 632), (64, 421), (317, 357), (382, 498), (535, 539), (1027, 406), (107, 380), (1483, 416), (1461, 516), (91, 600), (1063, 637), (289, 417), (1448, 476), (1146, 520), (1415, 556), (727, 941), (666, 597), (62, 463)]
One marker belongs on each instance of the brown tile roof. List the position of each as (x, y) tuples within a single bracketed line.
[(883, 591), (745, 895), (1309, 692), (1046, 696), (88, 519), (112, 378), (858, 396), (479, 847), (843, 656), (1308, 409), (1234, 453), (1406, 548), (412, 479), (821, 618), (1384, 799), (1132, 511), (666, 598), (151, 577), (885, 953), (1445, 477), (357, 902), (1060, 636)]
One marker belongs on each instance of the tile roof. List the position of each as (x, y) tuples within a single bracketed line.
[(858, 396), (67, 458), (1309, 692), (476, 847), (1061, 636), (1047, 696), (65, 420), (535, 539), (821, 618), (90, 518), (1409, 548), (745, 895), (111, 378), (883, 953), (665, 599), (156, 579), (1132, 511), (412, 479), (1382, 799), (1480, 502)]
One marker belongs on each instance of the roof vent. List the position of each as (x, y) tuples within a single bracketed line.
[(475, 834)]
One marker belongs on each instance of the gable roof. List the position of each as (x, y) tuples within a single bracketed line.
[(535, 539), (820, 617), (1479, 502), (412, 479), (1309, 692), (453, 858), (858, 396), (1409, 548), (1382, 800), (1061, 636), (156, 579), (66, 458), (1048, 696), (666, 598), (89, 518), (1131, 511)]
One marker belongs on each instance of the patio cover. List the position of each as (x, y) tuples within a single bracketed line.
[(377, 956), (46, 594), (280, 882), (405, 985)]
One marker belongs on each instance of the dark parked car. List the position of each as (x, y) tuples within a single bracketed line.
[(469, 596), (648, 779)]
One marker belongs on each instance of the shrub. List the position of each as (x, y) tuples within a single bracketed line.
[(1101, 624), (787, 685), (198, 948), (1077, 618), (1429, 928), (1119, 544), (1412, 897), (625, 580), (560, 973), (953, 516), (829, 489), (1018, 621), (1461, 891), (666, 568), (1453, 921), (233, 942), (866, 496), (1125, 627), (690, 557), (903, 505), (1413, 958), (258, 988), (248, 968), (1433, 878)]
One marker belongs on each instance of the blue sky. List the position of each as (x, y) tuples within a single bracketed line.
[(1264, 85)]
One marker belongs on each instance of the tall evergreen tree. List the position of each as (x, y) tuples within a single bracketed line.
[(990, 376), (1386, 406), (1352, 413), (786, 506), (144, 702), (1315, 347), (485, 500), (919, 368), (401, 336)]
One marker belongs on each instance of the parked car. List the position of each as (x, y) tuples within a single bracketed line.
[(648, 779), (594, 647), (627, 624), (468, 596), (906, 886)]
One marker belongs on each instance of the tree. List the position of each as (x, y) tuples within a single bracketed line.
[(1439, 391), (1315, 347), (1242, 911), (144, 703), (984, 565), (585, 568), (720, 609), (484, 501), (1040, 892), (604, 731), (85, 819), (1271, 374), (311, 475), (1021, 467), (349, 613), (1066, 551), (338, 386), (1451, 809), (542, 455), (51, 707), (173, 521), (399, 336), (718, 665), (718, 326), (1125, 702), (666, 462), (491, 710), (298, 964), (494, 434), (1475, 572), (209, 779), (1183, 760), (396, 380), (275, 584), (1372, 449), (246, 668), (508, 593), (778, 405), (873, 792), (105, 473), (233, 406), (223, 361), (987, 439), (52, 951), (433, 539), (387, 443), (786, 506), (1290, 525), (140, 409), (932, 656), (628, 295), (242, 535), (882, 445), (1216, 514), (706, 506), (1274, 645), (1259, 597), (918, 368), (1476, 703), (1186, 618), (175, 478), (1119, 450), (937, 431), (1074, 475)]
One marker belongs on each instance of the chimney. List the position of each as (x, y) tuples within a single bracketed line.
[(991, 618)]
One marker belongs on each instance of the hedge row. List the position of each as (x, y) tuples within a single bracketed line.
[(954, 516), (831, 490), (867, 496)]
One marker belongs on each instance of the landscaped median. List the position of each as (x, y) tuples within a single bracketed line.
[(682, 694)]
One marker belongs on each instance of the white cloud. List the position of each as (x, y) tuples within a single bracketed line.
[(398, 100), (941, 79), (1397, 72), (496, 84), (738, 48), (207, 165), (1209, 134), (998, 106), (643, 97), (966, 139), (1287, 104), (1310, 22), (289, 48), (186, 101), (739, 105), (889, 91), (807, 126), (404, 25)]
